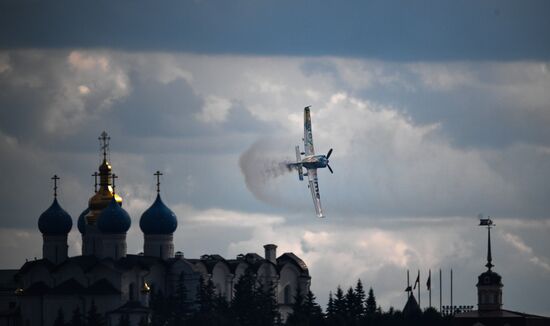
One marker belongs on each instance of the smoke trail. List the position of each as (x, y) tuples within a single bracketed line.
[(262, 166)]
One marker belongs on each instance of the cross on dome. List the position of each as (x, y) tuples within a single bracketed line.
[(104, 143), (158, 174), (55, 178)]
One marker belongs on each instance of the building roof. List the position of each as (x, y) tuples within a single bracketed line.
[(502, 313), (131, 307), (290, 257)]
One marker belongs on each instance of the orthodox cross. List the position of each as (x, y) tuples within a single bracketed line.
[(158, 174), (55, 178), (95, 175), (104, 143), (114, 176)]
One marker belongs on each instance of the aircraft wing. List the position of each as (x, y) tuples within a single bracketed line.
[(308, 136), (314, 188)]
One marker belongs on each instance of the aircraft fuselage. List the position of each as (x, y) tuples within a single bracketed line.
[(314, 161)]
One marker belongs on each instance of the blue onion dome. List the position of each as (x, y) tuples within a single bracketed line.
[(55, 220), (114, 219), (82, 221), (158, 219)]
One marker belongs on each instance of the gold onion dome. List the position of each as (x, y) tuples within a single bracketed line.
[(105, 193)]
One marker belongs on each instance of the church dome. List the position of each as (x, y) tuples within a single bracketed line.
[(55, 220), (158, 219), (114, 219), (82, 221), (489, 278)]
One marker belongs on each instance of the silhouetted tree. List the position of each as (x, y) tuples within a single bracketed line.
[(314, 310), (77, 318), (243, 303), (124, 320), (94, 318), (370, 308), (267, 304), (60, 319)]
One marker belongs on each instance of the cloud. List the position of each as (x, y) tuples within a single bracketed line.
[(522, 247)]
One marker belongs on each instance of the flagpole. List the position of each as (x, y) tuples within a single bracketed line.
[(430, 288), (419, 289), (452, 308), (408, 284), (440, 291)]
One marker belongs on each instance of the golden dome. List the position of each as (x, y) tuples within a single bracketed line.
[(104, 194)]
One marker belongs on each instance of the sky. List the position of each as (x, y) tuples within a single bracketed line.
[(437, 111)]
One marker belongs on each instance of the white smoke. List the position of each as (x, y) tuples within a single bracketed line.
[(263, 166)]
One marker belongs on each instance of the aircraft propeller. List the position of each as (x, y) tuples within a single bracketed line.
[(328, 155)]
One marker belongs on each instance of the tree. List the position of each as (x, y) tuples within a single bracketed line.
[(359, 304), (243, 303), (124, 320), (60, 319), (94, 318), (370, 309), (313, 309), (267, 304), (298, 315), (76, 319), (331, 310)]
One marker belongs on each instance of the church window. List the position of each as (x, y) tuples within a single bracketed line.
[(287, 292)]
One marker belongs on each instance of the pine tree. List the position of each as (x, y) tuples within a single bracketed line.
[(370, 309), (124, 320), (359, 306), (339, 307), (76, 319), (60, 319), (331, 310), (350, 302), (298, 314), (267, 304), (94, 318), (313, 309), (243, 303)]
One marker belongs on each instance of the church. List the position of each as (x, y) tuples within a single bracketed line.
[(118, 283)]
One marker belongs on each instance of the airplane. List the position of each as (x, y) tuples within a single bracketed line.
[(311, 163)]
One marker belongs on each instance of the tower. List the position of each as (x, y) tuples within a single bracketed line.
[(489, 285), (102, 225), (158, 224), (55, 223)]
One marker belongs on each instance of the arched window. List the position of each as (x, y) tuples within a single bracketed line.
[(287, 294)]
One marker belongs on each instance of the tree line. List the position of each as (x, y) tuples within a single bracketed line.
[(255, 304)]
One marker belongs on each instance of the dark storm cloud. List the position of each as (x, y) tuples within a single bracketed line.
[(392, 30)]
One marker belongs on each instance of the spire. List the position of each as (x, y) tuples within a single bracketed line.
[(488, 223), (55, 178), (158, 174)]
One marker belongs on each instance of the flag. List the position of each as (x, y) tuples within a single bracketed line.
[(417, 280), (429, 282), (485, 222)]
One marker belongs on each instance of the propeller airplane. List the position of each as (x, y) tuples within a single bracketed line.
[(311, 163)]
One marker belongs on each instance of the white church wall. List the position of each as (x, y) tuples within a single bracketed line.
[(222, 277)]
